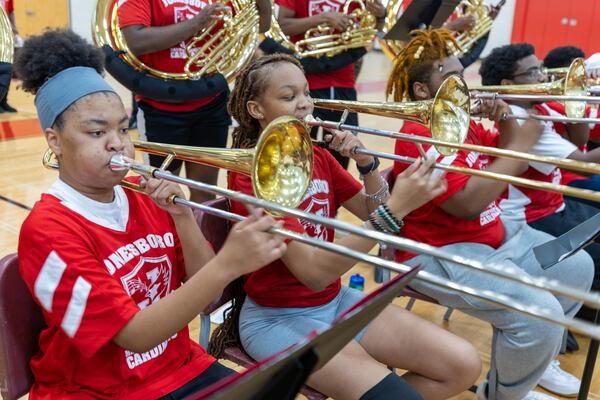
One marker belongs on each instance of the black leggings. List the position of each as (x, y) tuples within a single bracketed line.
[(392, 387), (211, 375)]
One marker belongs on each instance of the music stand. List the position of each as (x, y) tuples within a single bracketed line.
[(567, 244), (420, 14), (556, 250), (281, 376)]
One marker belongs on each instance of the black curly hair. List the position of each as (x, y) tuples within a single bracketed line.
[(562, 56), (502, 62), (44, 56)]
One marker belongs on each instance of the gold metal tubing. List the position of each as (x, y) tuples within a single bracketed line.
[(591, 168), (580, 326), (401, 110)]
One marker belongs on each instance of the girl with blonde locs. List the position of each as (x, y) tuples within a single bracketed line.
[(278, 305)]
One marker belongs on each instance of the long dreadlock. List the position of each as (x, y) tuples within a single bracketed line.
[(415, 61), (249, 85)]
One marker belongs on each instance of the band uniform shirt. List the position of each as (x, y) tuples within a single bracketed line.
[(8, 6), (150, 13), (90, 274), (330, 186), (430, 223), (555, 109), (525, 204), (341, 78)]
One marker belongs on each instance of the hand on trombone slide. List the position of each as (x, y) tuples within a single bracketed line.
[(492, 109)]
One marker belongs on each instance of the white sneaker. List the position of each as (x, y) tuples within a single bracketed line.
[(558, 381), (480, 393), (538, 396)]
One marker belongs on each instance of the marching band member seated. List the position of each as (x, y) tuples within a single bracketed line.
[(302, 290), (107, 265), (466, 220)]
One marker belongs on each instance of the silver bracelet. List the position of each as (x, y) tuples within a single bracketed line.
[(381, 195)]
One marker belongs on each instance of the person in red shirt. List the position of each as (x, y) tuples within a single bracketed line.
[(157, 32), (9, 8), (549, 212), (295, 18), (302, 291), (466, 220), (585, 139), (107, 265)]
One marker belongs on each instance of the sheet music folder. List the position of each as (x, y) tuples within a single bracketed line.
[(568, 243), (420, 14), (281, 376)]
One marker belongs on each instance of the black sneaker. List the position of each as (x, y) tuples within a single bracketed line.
[(7, 108)]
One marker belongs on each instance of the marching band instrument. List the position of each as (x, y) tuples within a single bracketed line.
[(280, 165), (119, 162), (324, 40), (225, 46), (475, 8), (573, 84), (513, 180), (446, 115)]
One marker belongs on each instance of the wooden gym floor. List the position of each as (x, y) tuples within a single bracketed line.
[(23, 179)]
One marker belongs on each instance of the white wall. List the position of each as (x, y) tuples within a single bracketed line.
[(502, 28), (80, 15)]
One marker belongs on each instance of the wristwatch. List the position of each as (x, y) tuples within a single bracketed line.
[(367, 169)]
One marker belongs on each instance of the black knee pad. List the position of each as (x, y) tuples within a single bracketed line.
[(392, 387)]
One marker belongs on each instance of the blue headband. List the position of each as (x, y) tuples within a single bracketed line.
[(64, 89)]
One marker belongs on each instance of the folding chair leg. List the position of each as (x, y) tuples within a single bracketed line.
[(382, 275), (411, 303), (448, 314), (493, 374), (204, 330)]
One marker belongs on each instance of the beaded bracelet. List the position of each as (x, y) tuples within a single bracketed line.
[(387, 219), (398, 221), (376, 224)]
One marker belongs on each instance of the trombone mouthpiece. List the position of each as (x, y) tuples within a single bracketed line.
[(119, 162)]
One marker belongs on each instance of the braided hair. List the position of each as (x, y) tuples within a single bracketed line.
[(250, 85), (415, 61)]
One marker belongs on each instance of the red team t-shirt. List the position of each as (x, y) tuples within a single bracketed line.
[(558, 109), (89, 281), (274, 285), (526, 204), (163, 13), (8, 6), (432, 225), (343, 77)]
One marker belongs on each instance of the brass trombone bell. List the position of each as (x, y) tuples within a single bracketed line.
[(280, 166), (446, 115)]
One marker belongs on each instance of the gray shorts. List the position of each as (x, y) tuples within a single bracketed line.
[(265, 331)]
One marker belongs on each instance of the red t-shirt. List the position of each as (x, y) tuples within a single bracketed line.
[(526, 204), (89, 281), (8, 6), (343, 77), (330, 186), (558, 109), (163, 13), (432, 225)]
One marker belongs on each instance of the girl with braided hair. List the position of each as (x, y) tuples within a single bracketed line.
[(301, 292), (466, 220)]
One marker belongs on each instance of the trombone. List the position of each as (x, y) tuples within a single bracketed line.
[(280, 165), (119, 162), (572, 89)]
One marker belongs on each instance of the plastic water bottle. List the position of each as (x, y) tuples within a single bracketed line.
[(357, 281)]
